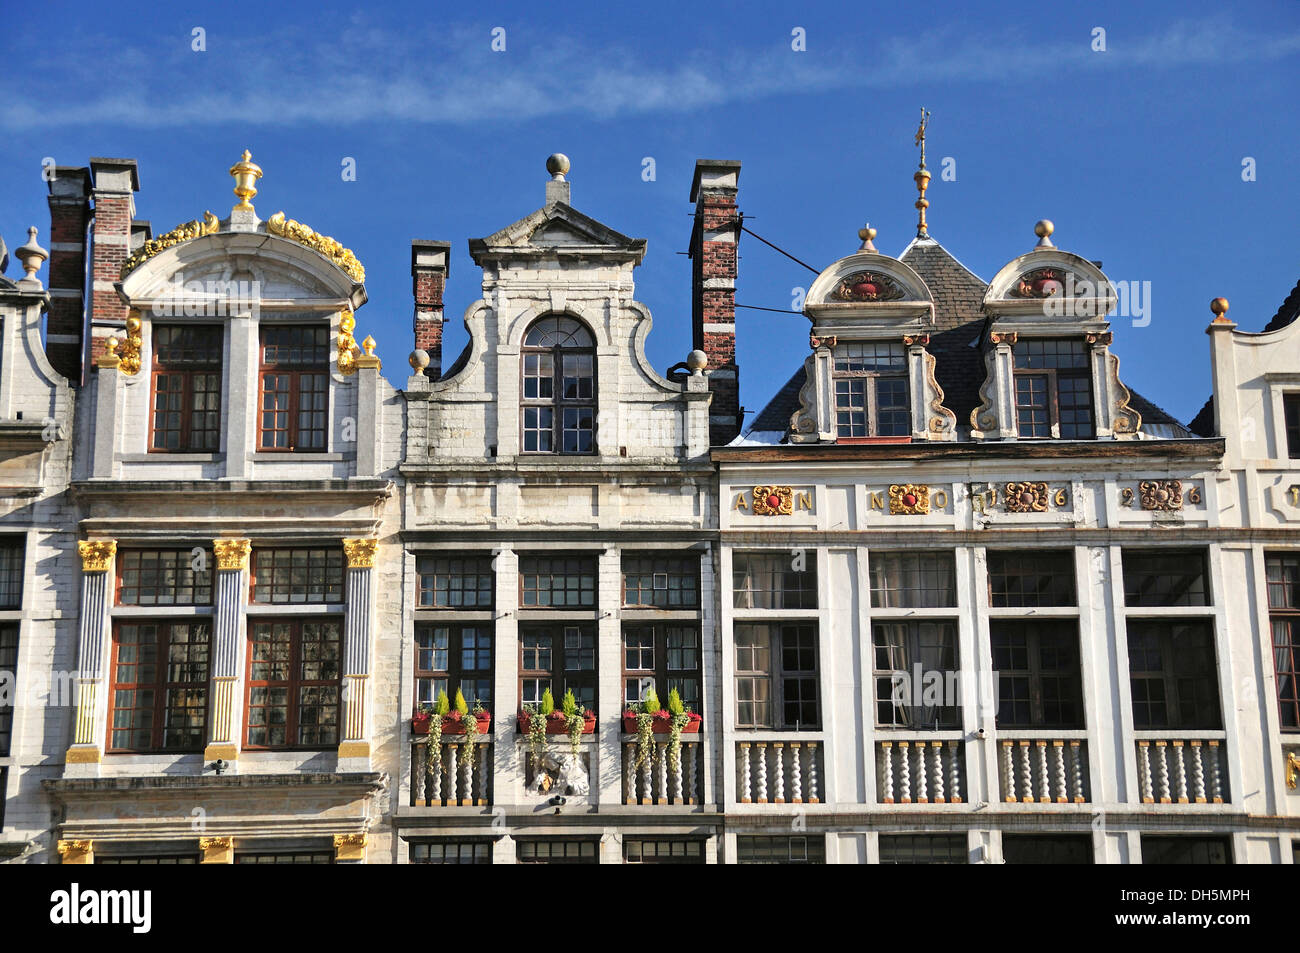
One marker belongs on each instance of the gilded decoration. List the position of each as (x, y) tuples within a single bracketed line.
[(867, 286), (347, 359), (360, 552), (69, 849), (178, 235), (773, 500), (97, 554), (231, 553), (909, 499), (130, 354), (1026, 497), (295, 231), (1161, 494)]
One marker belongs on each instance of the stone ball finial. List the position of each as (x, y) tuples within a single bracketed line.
[(557, 163), (697, 361), (419, 360), (1220, 308), (32, 255), (1043, 228)]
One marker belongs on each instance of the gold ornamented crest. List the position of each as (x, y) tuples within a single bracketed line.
[(360, 552), (867, 286), (97, 554), (295, 231), (130, 354), (1026, 497), (232, 553), (1161, 494), (347, 359), (181, 233), (909, 499), (773, 500)]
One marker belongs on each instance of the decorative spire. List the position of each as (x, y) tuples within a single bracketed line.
[(1043, 228), (922, 176), (867, 234), (245, 173), (32, 256)]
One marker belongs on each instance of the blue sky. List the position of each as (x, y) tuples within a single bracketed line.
[(1136, 153)]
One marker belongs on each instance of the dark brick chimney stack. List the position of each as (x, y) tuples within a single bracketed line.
[(430, 268), (713, 289), (65, 325), (114, 183)]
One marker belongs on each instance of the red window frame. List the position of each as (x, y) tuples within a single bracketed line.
[(161, 685), (179, 369), (293, 682), (289, 357)]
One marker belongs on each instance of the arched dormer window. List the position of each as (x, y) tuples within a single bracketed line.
[(558, 396)]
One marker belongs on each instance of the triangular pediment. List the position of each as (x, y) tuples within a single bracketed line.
[(559, 227)]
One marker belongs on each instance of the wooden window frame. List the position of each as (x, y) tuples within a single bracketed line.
[(184, 557), (778, 675), (663, 850), (1169, 678), (295, 371), (884, 676), (684, 567), (1030, 559), (551, 842), (1034, 633), (1054, 376), (10, 633), (926, 564), (1284, 617), (456, 673), (160, 685), (293, 684), (588, 566), (1136, 568), (955, 849), (802, 597), (480, 850), (557, 403), (561, 675), (763, 848), (187, 373), (464, 574), (260, 576), (317, 857), (13, 558), (664, 679)]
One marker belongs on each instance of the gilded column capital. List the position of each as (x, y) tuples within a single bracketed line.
[(360, 552), (77, 851), (349, 846), (232, 553), (217, 850), (97, 554)]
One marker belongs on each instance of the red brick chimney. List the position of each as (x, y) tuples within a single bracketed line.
[(114, 183), (713, 289), (430, 268), (65, 322)]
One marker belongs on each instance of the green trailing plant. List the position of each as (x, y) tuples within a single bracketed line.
[(678, 718), (536, 722), (440, 707), (575, 720), (645, 732), (471, 727)]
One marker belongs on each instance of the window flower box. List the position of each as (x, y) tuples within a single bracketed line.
[(453, 723), (662, 723), (556, 725)]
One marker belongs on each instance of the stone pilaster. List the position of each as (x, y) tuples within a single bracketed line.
[(354, 749), (88, 734), (227, 626)]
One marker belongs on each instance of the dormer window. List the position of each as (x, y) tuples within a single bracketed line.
[(871, 391), (1053, 389), (294, 414), (559, 387), (186, 388)]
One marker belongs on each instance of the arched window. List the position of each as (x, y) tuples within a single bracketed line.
[(559, 387)]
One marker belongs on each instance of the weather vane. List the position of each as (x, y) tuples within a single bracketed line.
[(922, 177)]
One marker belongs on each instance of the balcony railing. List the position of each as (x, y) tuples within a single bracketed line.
[(920, 770), (661, 779), (778, 772), (455, 779), (1185, 770), (1043, 770)]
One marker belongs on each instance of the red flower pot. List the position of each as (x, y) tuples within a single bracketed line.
[(556, 725), (420, 723), (663, 725), (456, 726)]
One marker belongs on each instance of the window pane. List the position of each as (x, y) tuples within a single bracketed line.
[(851, 407), (11, 572), (757, 849), (1158, 578), (1158, 849), (1038, 674), (555, 851), (558, 582), (1047, 848), (923, 849), (771, 581), (1173, 675), (1031, 578), (297, 575), (9, 671), (455, 582), (892, 416), (1291, 410), (451, 852), (913, 580), (1283, 574), (662, 582), (1033, 406), (867, 356), (164, 577), (915, 671), (1051, 353)]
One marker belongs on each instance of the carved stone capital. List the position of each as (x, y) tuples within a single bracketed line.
[(232, 553), (97, 554), (360, 552)]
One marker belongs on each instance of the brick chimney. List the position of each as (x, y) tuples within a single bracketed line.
[(430, 268), (713, 289), (65, 323), (114, 183)]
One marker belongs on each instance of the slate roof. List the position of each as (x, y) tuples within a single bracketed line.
[(959, 364)]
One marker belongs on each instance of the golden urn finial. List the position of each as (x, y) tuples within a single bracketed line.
[(922, 177), (245, 173)]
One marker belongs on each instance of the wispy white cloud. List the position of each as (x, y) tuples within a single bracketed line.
[(451, 76)]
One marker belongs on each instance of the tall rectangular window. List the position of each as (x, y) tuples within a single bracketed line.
[(455, 582), (661, 581), (663, 657), (1291, 411), (159, 700), (12, 550), (560, 657), (1053, 387), (1039, 682), (9, 672), (451, 657), (915, 672), (774, 581), (294, 575), (293, 683), (1173, 675), (559, 582), (1283, 574), (871, 390), (1031, 578), (294, 409), (164, 577), (186, 388), (913, 580), (777, 676), (1157, 577)]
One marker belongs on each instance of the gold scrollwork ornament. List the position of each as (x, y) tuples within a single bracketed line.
[(773, 500), (1026, 497), (909, 499)]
